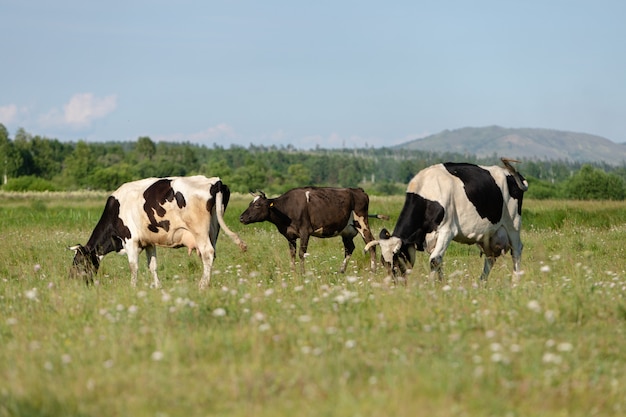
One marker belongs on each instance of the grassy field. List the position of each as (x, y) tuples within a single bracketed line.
[(265, 342)]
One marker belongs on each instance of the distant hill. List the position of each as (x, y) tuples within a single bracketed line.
[(541, 144)]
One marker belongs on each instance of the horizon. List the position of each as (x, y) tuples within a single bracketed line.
[(289, 145)]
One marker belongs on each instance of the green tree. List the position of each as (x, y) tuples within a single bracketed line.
[(594, 184), (48, 156), (249, 177), (145, 148), (299, 174), (10, 157), (110, 178), (78, 165)]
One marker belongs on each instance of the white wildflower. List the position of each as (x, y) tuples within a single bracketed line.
[(495, 347), (533, 305), (564, 347), (31, 294), (496, 357), (219, 312), (550, 357)]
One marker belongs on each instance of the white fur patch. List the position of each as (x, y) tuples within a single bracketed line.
[(308, 196), (389, 247)]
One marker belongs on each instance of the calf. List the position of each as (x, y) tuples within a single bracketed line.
[(170, 212), (467, 203), (315, 211)]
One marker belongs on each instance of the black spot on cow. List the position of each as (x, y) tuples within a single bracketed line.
[(155, 196), (106, 237), (481, 189), (419, 216), (515, 191), (218, 187)]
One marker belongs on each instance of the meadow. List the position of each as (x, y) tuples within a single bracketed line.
[(263, 341)]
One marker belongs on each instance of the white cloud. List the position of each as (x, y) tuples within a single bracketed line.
[(80, 111), (85, 108), (220, 131), (8, 114), (207, 136)]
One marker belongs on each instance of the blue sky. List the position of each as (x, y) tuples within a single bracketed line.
[(326, 73)]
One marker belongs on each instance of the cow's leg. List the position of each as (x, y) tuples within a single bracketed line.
[(292, 253), (304, 244), (362, 226), (207, 254), (152, 265), (132, 251), (348, 245), (489, 262), (444, 238), (516, 254)]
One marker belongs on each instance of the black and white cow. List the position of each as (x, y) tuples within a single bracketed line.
[(315, 211), (463, 202), (170, 212)]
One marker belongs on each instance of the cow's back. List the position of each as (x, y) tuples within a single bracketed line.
[(473, 201), (160, 206), (318, 207), (131, 200), (329, 208)]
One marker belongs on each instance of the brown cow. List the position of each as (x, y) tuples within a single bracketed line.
[(315, 211)]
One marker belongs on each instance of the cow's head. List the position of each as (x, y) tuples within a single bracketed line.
[(85, 264), (397, 256), (257, 211)]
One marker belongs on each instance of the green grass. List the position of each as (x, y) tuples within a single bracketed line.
[(265, 342)]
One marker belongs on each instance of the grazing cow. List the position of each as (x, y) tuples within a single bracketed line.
[(315, 211), (170, 212), (467, 203)]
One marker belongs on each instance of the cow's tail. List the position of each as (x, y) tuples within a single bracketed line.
[(219, 210), (521, 182)]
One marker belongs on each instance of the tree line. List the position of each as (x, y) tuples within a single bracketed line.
[(36, 163)]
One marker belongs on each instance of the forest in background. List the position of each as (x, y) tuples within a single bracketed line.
[(35, 163)]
